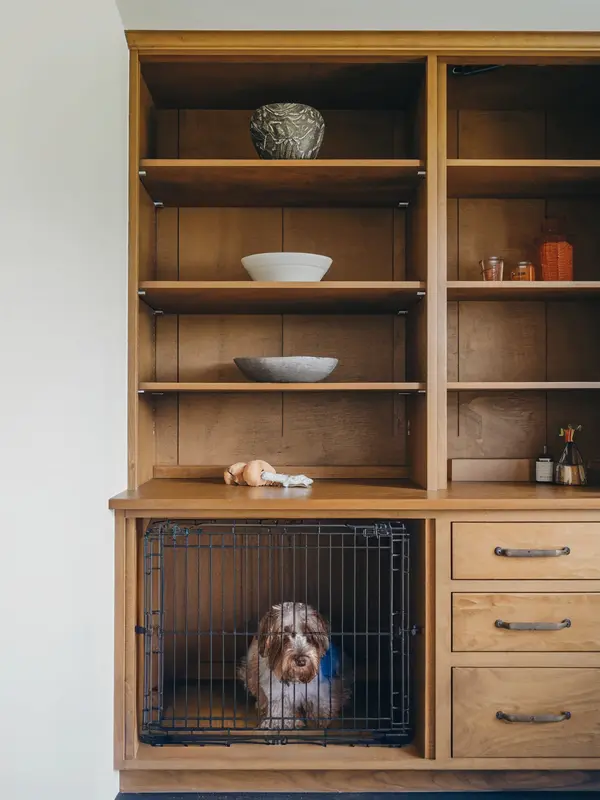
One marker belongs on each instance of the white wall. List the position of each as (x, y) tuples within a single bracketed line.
[(63, 140), (402, 15)]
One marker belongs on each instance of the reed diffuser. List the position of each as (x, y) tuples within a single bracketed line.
[(570, 469)]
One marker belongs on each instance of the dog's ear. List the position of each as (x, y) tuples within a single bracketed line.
[(317, 632), (267, 633)]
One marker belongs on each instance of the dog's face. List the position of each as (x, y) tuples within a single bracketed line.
[(293, 637)]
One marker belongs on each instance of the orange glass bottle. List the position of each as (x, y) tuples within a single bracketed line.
[(556, 253)]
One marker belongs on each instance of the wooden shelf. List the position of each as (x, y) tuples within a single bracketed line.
[(523, 290), (249, 297), (333, 496), (281, 387), (522, 177), (252, 182), (520, 386)]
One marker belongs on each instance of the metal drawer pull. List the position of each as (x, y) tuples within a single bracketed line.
[(533, 626), (559, 551), (534, 718)]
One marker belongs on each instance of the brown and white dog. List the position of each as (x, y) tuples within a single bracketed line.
[(283, 669)]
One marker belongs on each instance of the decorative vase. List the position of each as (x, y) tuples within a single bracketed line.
[(287, 131)]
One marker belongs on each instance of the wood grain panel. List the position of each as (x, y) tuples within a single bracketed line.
[(474, 619), (478, 693), (452, 345), (167, 244), (452, 206), (225, 133), (526, 87), (573, 135), (580, 218), (225, 428), (166, 430), (506, 228), (502, 341), (496, 425), (451, 133), (212, 241), (573, 334), (147, 237), (167, 133), (411, 338), (215, 133), (367, 346), (209, 343), (344, 429), (501, 134), (360, 241), (166, 409), (512, 470), (167, 343), (474, 544), (417, 453), (359, 134)]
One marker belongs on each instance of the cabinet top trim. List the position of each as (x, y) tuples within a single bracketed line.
[(358, 44)]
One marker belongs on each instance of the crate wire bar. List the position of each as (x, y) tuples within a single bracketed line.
[(208, 583)]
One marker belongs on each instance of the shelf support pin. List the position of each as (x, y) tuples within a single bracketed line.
[(159, 204), (142, 173), (141, 391), (403, 204), (401, 313), (420, 294), (421, 173), (141, 292), (157, 311)]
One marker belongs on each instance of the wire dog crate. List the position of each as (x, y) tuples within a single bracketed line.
[(210, 585)]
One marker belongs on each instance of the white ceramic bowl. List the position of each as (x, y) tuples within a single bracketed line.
[(286, 266)]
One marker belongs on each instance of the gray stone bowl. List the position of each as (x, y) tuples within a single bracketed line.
[(287, 131), (286, 369)]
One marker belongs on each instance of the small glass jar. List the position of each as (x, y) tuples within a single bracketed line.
[(492, 268), (525, 271)]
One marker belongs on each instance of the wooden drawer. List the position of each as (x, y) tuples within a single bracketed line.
[(479, 550), (481, 694), (486, 622)]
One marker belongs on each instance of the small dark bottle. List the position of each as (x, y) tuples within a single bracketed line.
[(544, 467)]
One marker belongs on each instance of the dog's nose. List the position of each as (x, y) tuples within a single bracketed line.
[(301, 661)]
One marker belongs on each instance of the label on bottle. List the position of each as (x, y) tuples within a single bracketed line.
[(544, 471)]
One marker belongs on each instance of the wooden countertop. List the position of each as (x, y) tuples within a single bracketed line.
[(173, 495)]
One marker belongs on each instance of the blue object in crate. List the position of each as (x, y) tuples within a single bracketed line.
[(330, 664)]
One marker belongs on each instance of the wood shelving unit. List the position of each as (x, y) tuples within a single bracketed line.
[(249, 297), (250, 182), (424, 171)]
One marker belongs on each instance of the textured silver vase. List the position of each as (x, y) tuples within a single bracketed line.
[(287, 130)]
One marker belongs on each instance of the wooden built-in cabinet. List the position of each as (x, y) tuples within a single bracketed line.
[(425, 169)]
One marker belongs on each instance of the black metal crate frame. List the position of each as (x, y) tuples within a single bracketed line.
[(357, 573)]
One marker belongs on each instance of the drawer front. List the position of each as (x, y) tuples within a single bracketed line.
[(564, 702), (567, 622), (500, 550)]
